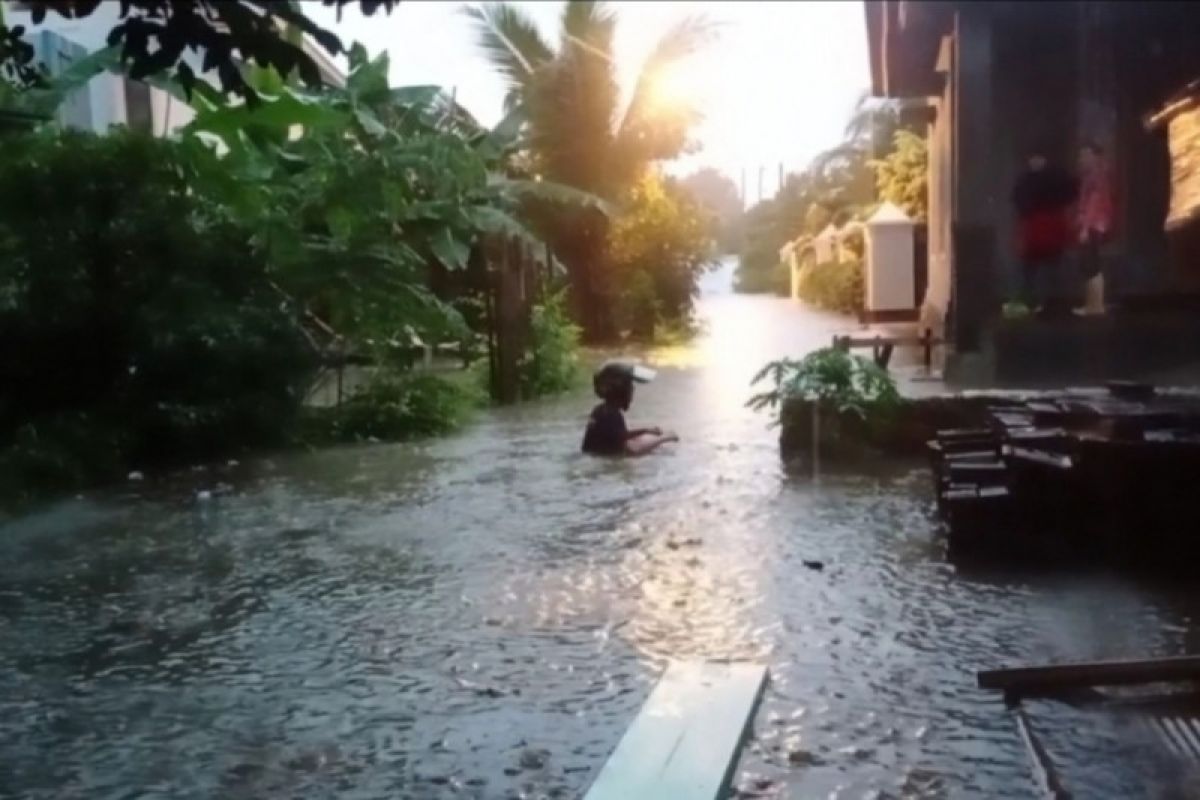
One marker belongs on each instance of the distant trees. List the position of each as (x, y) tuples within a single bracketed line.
[(879, 159), (661, 245), (902, 175), (718, 195)]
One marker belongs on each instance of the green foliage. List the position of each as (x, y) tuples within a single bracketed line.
[(719, 197), (638, 310), (577, 131), (1015, 309), (841, 381), (838, 185), (153, 37), (660, 248), (902, 175), (383, 185), (833, 285), (551, 364), (394, 407), (136, 325)]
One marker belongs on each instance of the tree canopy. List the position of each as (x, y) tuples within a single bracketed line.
[(154, 36), (577, 130)]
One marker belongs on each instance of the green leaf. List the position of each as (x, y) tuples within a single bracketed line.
[(369, 122), (449, 250), (550, 192), (341, 223)]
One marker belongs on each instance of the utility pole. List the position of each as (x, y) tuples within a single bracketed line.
[(742, 192), (762, 171), (779, 188)]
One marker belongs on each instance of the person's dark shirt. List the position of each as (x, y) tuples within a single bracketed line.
[(1048, 189), (606, 432)]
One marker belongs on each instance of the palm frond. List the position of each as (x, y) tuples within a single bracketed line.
[(685, 38), (510, 40), (551, 192), (590, 26)]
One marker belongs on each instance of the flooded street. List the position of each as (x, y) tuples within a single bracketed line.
[(482, 616)]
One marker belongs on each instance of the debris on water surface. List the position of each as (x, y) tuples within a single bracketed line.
[(675, 544), (804, 758), (204, 494), (534, 758), (136, 476), (814, 565)]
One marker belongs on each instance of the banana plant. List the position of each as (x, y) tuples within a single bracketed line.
[(354, 190)]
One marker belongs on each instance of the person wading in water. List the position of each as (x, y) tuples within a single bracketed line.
[(606, 433), (1042, 196)]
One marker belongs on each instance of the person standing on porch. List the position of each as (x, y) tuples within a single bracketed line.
[(1095, 223), (1042, 197)]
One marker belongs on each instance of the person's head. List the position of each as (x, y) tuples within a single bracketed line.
[(1090, 154), (613, 382)]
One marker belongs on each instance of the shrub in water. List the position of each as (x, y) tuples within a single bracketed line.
[(136, 327), (551, 363), (841, 381), (394, 407), (833, 285)]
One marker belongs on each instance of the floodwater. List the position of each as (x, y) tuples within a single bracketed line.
[(482, 616)]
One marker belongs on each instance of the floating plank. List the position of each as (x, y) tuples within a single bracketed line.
[(1045, 774), (1026, 680), (685, 742)]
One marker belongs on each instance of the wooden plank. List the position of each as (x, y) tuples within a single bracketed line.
[(859, 342), (1045, 774), (686, 740), (1024, 680)]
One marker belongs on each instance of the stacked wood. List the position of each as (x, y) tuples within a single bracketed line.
[(1079, 476)]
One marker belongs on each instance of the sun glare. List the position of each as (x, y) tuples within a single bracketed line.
[(677, 85)]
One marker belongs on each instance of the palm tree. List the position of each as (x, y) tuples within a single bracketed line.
[(577, 132)]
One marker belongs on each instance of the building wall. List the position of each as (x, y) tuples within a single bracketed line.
[(59, 41)]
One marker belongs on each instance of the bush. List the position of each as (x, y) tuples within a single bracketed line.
[(136, 328), (551, 363), (394, 407), (660, 248), (834, 286), (842, 381), (638, 309)]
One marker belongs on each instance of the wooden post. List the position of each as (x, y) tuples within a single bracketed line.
[(816, 437), (491, 271), (1049, 783), (505, 307), (509, 317)]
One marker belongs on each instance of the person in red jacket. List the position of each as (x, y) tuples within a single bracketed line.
[(1042, 197), (1096, 215)]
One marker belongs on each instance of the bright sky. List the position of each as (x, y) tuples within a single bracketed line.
[(777, 86)]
